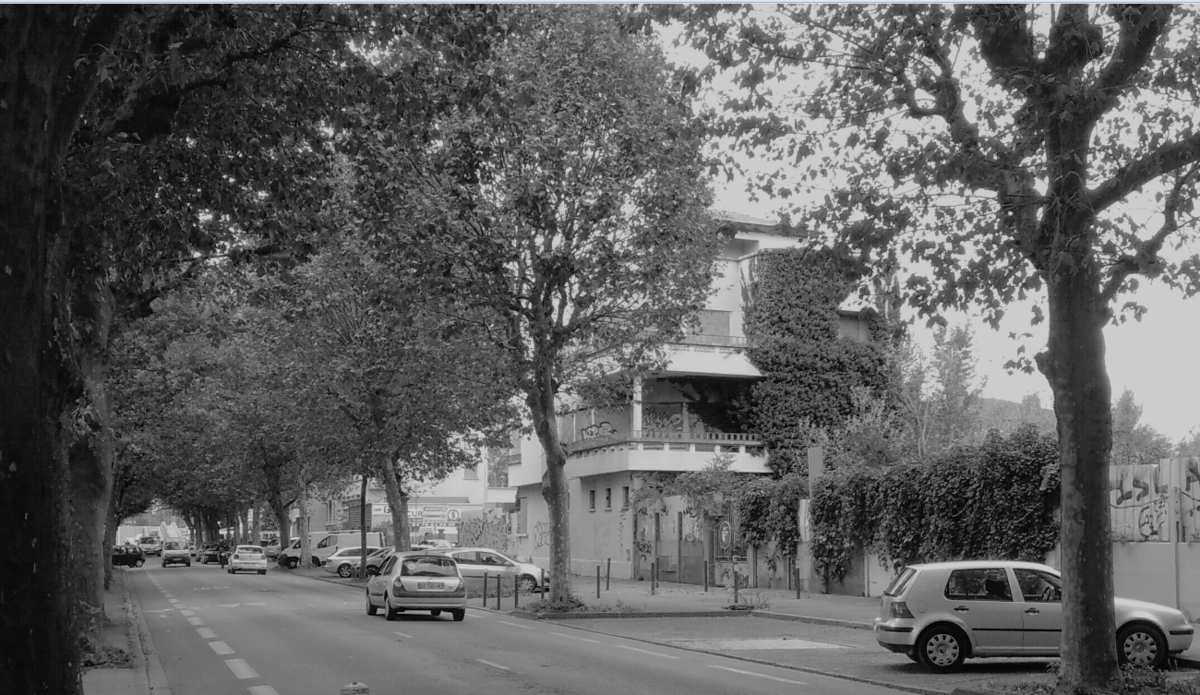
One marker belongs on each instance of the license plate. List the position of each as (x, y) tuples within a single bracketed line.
[(429, 586)]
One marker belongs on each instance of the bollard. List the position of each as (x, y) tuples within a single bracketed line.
[(485, 578), (651, 578), (706, 576), (516, 591), (355, 688), (499, 590), (735, 586), (797, 571), (607, 573), (542, 583), (597, 581)]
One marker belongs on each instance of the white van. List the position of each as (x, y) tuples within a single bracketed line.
[(290, 556), (322, 544)]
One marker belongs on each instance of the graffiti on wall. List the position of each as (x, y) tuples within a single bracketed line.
[(1139, 501), (600, 429), (1189, 499), (540, 535)]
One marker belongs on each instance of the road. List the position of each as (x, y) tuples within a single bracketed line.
[(283, 634)]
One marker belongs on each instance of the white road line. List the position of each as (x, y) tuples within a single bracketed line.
[(172, 600), (196, 622), (759, 675), (263, 690), (258, 603), (493, 665), (241, 669), (221, 648), (576, 637), (187, 613), (517, 625), (645, 651), (402, 634), (206, 633)]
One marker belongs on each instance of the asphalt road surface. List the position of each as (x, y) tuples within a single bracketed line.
[(282, 634)]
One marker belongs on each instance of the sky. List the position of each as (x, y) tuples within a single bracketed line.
[(1152, 358)]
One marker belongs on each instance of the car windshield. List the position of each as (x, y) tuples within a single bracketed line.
[(173, 545), (428, 566)]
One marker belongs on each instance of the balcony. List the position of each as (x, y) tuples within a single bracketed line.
[(664, 450)]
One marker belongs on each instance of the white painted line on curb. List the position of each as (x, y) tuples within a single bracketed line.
[(759, 675), (206, 633), (196, 622), (402, 634), (493, 665), (517, 625), (576, 637), (221, 648), (645, 651), (263, 690), (241, 669)]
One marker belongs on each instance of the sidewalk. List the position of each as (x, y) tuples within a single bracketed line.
[(120, 632)]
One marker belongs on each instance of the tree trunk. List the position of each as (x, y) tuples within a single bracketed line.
[(1074, 366), (255, 523), (305, 550), (554, 488), (398, 504), (362, 527)]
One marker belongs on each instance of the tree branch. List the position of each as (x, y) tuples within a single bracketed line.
[(1141, 28), (1134, 175), (84, 71)]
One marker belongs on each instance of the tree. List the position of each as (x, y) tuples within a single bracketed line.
[(1133, 442), (989, 145), (569, 203)]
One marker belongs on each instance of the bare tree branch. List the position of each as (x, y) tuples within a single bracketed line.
[(1134, 175)]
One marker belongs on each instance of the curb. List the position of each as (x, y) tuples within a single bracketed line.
[(629, 614), (146, 660), (835, 622)]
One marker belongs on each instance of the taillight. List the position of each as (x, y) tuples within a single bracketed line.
[(900, 610)]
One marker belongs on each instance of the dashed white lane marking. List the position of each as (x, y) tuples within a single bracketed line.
[(493, 664), (172, 600), (195, 622), (221, 648), (402, 634), (241, 669), (646, 651), (759, 675), (206, 633), (263, 690), (516, 625), (576, 637), (256, 603), (187, 613)]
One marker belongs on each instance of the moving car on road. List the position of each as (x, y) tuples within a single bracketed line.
[(941, 613), (247, 558), (475, 562), (128, 555), (418, 581), (150, 545), (345, 562), (176, 553), (213, 552)]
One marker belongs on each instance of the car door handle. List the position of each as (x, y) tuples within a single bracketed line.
[(1032, 611), (961, 609)]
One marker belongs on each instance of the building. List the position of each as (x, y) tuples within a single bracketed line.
[(675, 421)]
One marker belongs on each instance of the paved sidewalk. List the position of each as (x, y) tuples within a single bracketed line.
[(120, 631)]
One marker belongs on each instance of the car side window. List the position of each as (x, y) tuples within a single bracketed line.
[(470, 558), (981, 584), (388, 565), (1037, 586)]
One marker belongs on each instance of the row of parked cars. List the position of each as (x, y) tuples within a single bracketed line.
[(473, 563)]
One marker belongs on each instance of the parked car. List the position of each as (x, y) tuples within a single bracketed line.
[(346, 561), (247, 558), (150, 545), (941, 613), (128, 555), (213, 552), (176, 553), (376, 559), (475, 562), (418, 581)]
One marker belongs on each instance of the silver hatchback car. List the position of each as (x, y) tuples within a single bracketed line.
[(418, 580), (944, 612)]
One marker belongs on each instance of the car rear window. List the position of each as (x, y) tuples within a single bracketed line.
[(173, 545), (428, 566), (900, 583), (249, 549)]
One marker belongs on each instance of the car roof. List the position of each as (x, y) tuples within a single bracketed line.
[(255, 547), (978, 564), (472, 548)]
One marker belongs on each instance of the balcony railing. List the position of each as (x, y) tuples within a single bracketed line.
[(736, 341), (668, 439)]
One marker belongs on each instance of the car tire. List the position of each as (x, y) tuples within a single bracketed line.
[(459, 614), (527, 584), (139, 562), (230, 570), (344, 571), (389, 613), (435, 612), (187, 564), (1141, 644), (293, 563), (262, 571), (942, 648), (372, 609)]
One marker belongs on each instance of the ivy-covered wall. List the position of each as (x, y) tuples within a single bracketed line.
[(809, 372), (998, 500)]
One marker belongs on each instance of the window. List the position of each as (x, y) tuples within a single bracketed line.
[(984, 584), (1038, 587), (591, 500), (625, 497), (608, 499)]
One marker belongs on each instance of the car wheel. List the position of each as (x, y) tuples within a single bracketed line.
[(1141, 645), (435, 612), (293, 563), (230, 570), (164, 564), (458, 614), (913, 655), (527, 584), (187, 564), (139, 562), (262, 571), (942, 648), (344, 571), (389, 613), (316, 561), (371, 607)]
